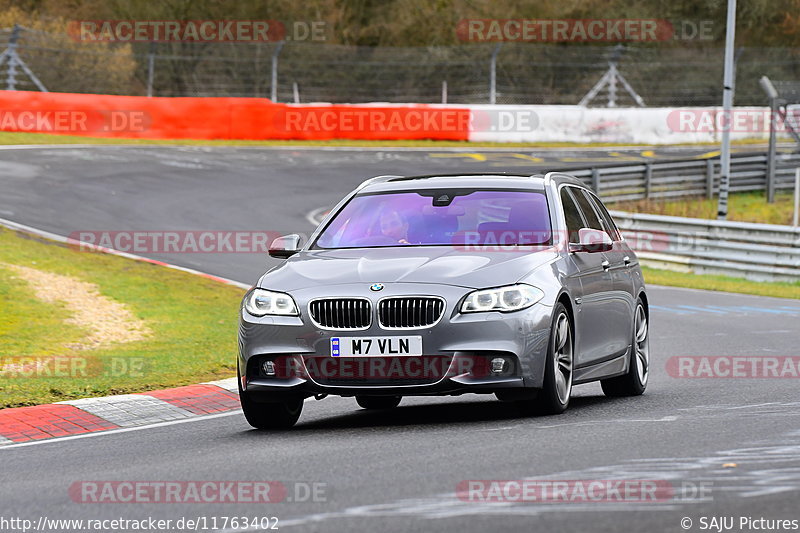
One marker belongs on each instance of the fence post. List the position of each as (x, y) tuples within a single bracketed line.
[(273, 90), (151, 67), (296, 92), (596, 181), (493, 75), (11, 80), (444, 92), (648, 177), (773, 115), (709, 178)]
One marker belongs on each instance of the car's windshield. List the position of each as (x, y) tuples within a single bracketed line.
[(440, 217)]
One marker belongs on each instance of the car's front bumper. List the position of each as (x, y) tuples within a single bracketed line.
[(462, 345)]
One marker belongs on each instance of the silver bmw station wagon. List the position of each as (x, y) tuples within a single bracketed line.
[(515, 285)]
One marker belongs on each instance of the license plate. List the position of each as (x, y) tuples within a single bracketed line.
[(375, 346)]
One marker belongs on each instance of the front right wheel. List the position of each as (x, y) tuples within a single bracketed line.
[(272, 415), (634, 381), (553, 399)]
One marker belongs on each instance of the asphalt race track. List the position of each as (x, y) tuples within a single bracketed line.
[(729, 447)]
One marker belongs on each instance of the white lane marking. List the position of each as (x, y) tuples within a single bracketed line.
[(10, 224), (121, 430), (315, 217), (130, 410), (669, 418)]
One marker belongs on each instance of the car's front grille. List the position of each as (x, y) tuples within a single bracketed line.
[(341, 313), (410, 311)]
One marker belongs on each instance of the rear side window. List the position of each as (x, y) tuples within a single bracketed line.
[(572, 215), (605, 217), (588, 211)]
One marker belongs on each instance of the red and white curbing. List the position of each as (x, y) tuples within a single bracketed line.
[(89, 415)]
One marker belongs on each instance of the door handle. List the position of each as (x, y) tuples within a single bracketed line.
[(626, 260), (605, 264)]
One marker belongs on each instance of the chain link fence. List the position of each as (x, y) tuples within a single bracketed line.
[(316, 72)]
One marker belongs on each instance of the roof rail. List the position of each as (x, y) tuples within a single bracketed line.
[(377, 179), (467, 174)]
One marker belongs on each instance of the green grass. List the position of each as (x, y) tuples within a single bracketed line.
[(193, 320), (10, 138), (743, 207), (721, 283)]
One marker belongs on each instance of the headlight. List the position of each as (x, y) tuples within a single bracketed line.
[(511, 298), (261, 302)]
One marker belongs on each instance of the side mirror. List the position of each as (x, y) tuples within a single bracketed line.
[(285, 246), (591, 240)]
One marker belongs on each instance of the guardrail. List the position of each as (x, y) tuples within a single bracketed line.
[(761, 252), (690, 177)]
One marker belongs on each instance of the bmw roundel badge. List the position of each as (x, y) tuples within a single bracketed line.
[(375, 287)]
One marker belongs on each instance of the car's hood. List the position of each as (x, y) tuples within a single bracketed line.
[(438, 265)]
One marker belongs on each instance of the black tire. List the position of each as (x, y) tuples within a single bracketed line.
[(553, 398), (378, 402), (634, 382), (272, 415)]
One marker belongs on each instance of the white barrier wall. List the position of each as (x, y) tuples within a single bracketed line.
[(629, 125)]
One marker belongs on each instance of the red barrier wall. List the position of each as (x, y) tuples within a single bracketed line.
[(223, 118)]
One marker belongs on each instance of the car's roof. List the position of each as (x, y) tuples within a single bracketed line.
[(499, 180)]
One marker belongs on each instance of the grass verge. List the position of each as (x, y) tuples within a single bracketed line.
[(655, 276), (742, 207), (11, 138), (193, 322)]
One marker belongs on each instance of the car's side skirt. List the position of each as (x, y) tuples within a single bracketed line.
[(610, 368)]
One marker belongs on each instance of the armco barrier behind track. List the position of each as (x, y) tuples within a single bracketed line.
[(690, 177), (762, 252)]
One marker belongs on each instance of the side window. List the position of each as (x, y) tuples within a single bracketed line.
[(588, 211), (605, 217), (572, 215)]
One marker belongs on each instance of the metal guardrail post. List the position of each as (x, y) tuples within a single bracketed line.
[(796, 196), (709, 178), (648, 177), (596, 181)]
